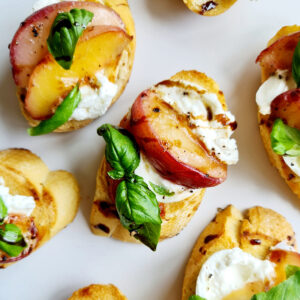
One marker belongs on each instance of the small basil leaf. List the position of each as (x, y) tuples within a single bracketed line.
[(120, 151), (285, 140), (286, 290), (291, 270), (11, 234), (195, 297), (64, 34), (62, 114), (296, 65), (116, 175), (160, 190), (137, 203), (148, 234), (11, 250), (3, 210)]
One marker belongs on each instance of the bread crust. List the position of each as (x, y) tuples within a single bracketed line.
[(231, 228), (123, 71), (56, 195), (175, 216), (209, 8), (98, 292), (265, 126)]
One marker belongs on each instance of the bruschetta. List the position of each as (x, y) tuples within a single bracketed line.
[(244, 256), (35, 203), (98, 292), (209, 8), (278, 100), (71, 61), (174, 143)]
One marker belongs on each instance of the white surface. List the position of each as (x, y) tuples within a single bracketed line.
[(229, 270), (170, 38), (214, 134)]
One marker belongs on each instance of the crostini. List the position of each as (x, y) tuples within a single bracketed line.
[(278, 100), (71, 61), (98, 292), (35, 203), (244, 256), (209, 8), (174, 142)]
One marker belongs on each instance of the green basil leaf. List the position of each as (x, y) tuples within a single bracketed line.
[(148, 234), (285, 140), (116, 175), (65, 33), (11, 250), (137, 203), (291, 270), (195, 297), (296, 65), (160, 190), (286, 290), (11, 233), (62, 114), (120, 151), (3, 210)]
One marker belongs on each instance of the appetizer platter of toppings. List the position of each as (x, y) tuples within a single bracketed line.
[(130, 150)]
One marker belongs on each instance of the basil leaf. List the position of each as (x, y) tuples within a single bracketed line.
[(287, 290), (120, 151), (137, 203), (115, 174), (285, 140), (64, 34), (148, 234), (160, 190), (11, 233), (62, 114), (11, 250), (195, 297), (296, 65), (3, 210), (291, 270)]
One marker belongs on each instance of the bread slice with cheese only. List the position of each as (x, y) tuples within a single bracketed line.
[(278, 97), (35, 203), (102, 64), (98, 292), (240, 245), (209, 8), (173, 125)]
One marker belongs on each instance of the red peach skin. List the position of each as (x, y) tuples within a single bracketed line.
[(29, 45), (170, 145)]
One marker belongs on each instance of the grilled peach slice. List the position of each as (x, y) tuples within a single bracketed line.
[(279, 55), (170, 145), (287, 107), (29, 45), (49, 83)]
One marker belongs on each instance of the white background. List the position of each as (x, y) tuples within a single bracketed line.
[(169, 38)]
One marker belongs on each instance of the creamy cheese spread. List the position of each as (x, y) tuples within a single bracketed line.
[(16, 204), (229, 270), (211, 122)]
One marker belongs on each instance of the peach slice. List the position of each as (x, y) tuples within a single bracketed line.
[(29, 45), (49, 83)]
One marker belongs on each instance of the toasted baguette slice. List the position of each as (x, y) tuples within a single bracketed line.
[(98, 292), (175, 216), (56, 195), (265, 126), (209, 8), (230, 229), (121, 73)]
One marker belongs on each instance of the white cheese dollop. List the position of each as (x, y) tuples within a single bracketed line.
[(283, 246), (229, 270), (275, 85), (42, 3), (149, 174), (293, 162), (197, 104), (95, 101), (16, 204)]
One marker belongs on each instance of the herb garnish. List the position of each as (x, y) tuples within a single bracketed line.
[(296, 65)]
